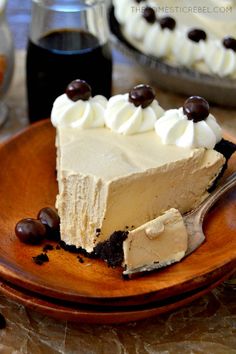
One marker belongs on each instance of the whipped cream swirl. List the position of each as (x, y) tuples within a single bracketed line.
[(219, 60), (123, 117), (186, 51), (80, 114), (124, 9), (137, 27), (176, 129), (159, 42)]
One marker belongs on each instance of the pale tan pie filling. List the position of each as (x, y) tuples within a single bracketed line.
[(110, 182)]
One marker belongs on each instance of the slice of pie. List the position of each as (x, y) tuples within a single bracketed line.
[(110, 182), (124, 163)]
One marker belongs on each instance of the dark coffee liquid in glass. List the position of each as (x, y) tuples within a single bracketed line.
[(60, 57)]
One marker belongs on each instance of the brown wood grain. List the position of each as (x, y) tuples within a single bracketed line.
[(28, 183), (94, 315)]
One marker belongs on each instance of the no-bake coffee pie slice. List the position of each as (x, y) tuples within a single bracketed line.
[(127, 170)]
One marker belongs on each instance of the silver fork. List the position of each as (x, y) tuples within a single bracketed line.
[(194, 219)]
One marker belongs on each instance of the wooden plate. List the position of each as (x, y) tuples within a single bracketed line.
[(28, 183), (90, 314)]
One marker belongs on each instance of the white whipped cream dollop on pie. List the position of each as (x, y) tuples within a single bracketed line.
[(175, 128), (122, 11), (218, 59), (79, 114), (124, 117), (159, 42), (137, 27), (186, 51)]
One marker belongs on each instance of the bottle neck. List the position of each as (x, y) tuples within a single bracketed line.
[(56, 15)]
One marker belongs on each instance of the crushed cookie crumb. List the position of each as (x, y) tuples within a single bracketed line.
[(111, 250), (126, 276), (81, 260), (40, 259), (48, 247)]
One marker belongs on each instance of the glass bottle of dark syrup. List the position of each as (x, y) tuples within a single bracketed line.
[(68, 41)]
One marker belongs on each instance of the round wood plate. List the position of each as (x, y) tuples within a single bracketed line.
[(89, 314), (28, 183)]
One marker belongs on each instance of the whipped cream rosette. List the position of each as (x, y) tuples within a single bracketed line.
[(81, 111), (219, 60), (137, 27), (187, 51), (133, 113), (159, 42), (124, 9), (191, 126)]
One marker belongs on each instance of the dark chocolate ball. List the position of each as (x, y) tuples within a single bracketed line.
[(196, 108), (167, 22), (142, 95), (30, 231), (196, 35), (78, 90), (149, 14), (51, 220), (230, 43)]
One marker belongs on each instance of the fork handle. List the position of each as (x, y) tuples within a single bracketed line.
[(229, 183)]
